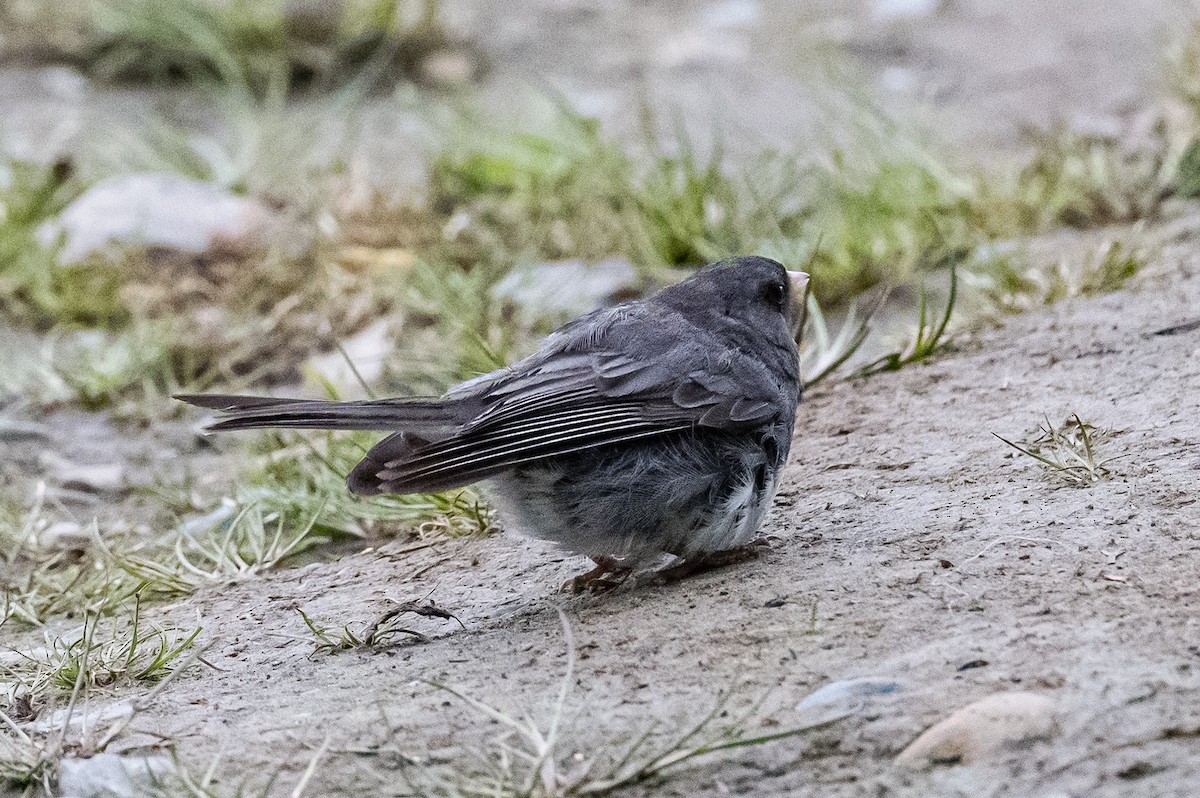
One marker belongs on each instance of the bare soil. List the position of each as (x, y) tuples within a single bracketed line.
[(908, 544)]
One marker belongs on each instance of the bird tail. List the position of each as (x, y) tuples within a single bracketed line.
[(255, 412)]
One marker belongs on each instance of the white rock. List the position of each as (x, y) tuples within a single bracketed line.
[(158, 210), (888, 10), (1105, 127), (209, 521), (110, 776), (76, 718), (731, 14), (92, 478), (566, 288), (986, 728), (366, 351), (899, 80), (65, 536), (842, 698)]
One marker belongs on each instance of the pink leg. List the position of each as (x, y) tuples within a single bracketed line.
[(608, 574)]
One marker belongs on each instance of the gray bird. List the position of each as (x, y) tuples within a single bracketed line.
[(656, 426)]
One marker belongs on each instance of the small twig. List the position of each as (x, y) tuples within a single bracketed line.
[(298, 791)]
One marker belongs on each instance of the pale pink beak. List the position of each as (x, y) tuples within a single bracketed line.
[(798, 296)]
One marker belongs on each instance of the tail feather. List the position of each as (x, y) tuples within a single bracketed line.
[(255, 412)]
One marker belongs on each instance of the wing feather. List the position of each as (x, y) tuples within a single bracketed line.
[(569, 403)]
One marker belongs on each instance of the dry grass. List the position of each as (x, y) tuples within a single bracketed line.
[(1068, 451), (533, 760)]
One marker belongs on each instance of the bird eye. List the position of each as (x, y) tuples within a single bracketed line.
[(774, 294)]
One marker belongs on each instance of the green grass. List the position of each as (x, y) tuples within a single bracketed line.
[(573, 192), (928, 339), (380, 632), (234, 543), (132, 654), (290, 498), (30, 288), (1010, 282), (126, 653), (102, 368), (111, 653), (1079, 181), (260, 45), (823, 352), (302, 478)]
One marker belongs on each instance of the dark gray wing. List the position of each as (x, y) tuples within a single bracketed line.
[(566, 401)]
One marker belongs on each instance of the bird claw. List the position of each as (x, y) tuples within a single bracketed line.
[(608, 575)]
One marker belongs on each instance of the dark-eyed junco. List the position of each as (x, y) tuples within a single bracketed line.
[(656, 426)]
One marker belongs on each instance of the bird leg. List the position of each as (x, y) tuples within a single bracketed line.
[(608, 574)]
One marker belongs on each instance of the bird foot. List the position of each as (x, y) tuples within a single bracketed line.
[(608, 575), (709, 562)]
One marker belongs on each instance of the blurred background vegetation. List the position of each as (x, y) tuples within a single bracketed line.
[(329, 255)]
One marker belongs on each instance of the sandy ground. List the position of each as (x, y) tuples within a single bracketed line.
[(908, 544)]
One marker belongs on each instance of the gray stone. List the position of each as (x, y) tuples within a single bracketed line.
[(89, 478), (159, 210), (566, 288), (16, 431)]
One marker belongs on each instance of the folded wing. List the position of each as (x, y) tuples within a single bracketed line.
[(572, 405)]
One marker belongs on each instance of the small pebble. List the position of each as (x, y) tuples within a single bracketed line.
[(842, 698), (65, 536), (98, 478), (17, 431), (982, 730), (107, 775), (567, 288)]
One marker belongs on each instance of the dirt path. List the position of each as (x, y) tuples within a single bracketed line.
[(909, 544)]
